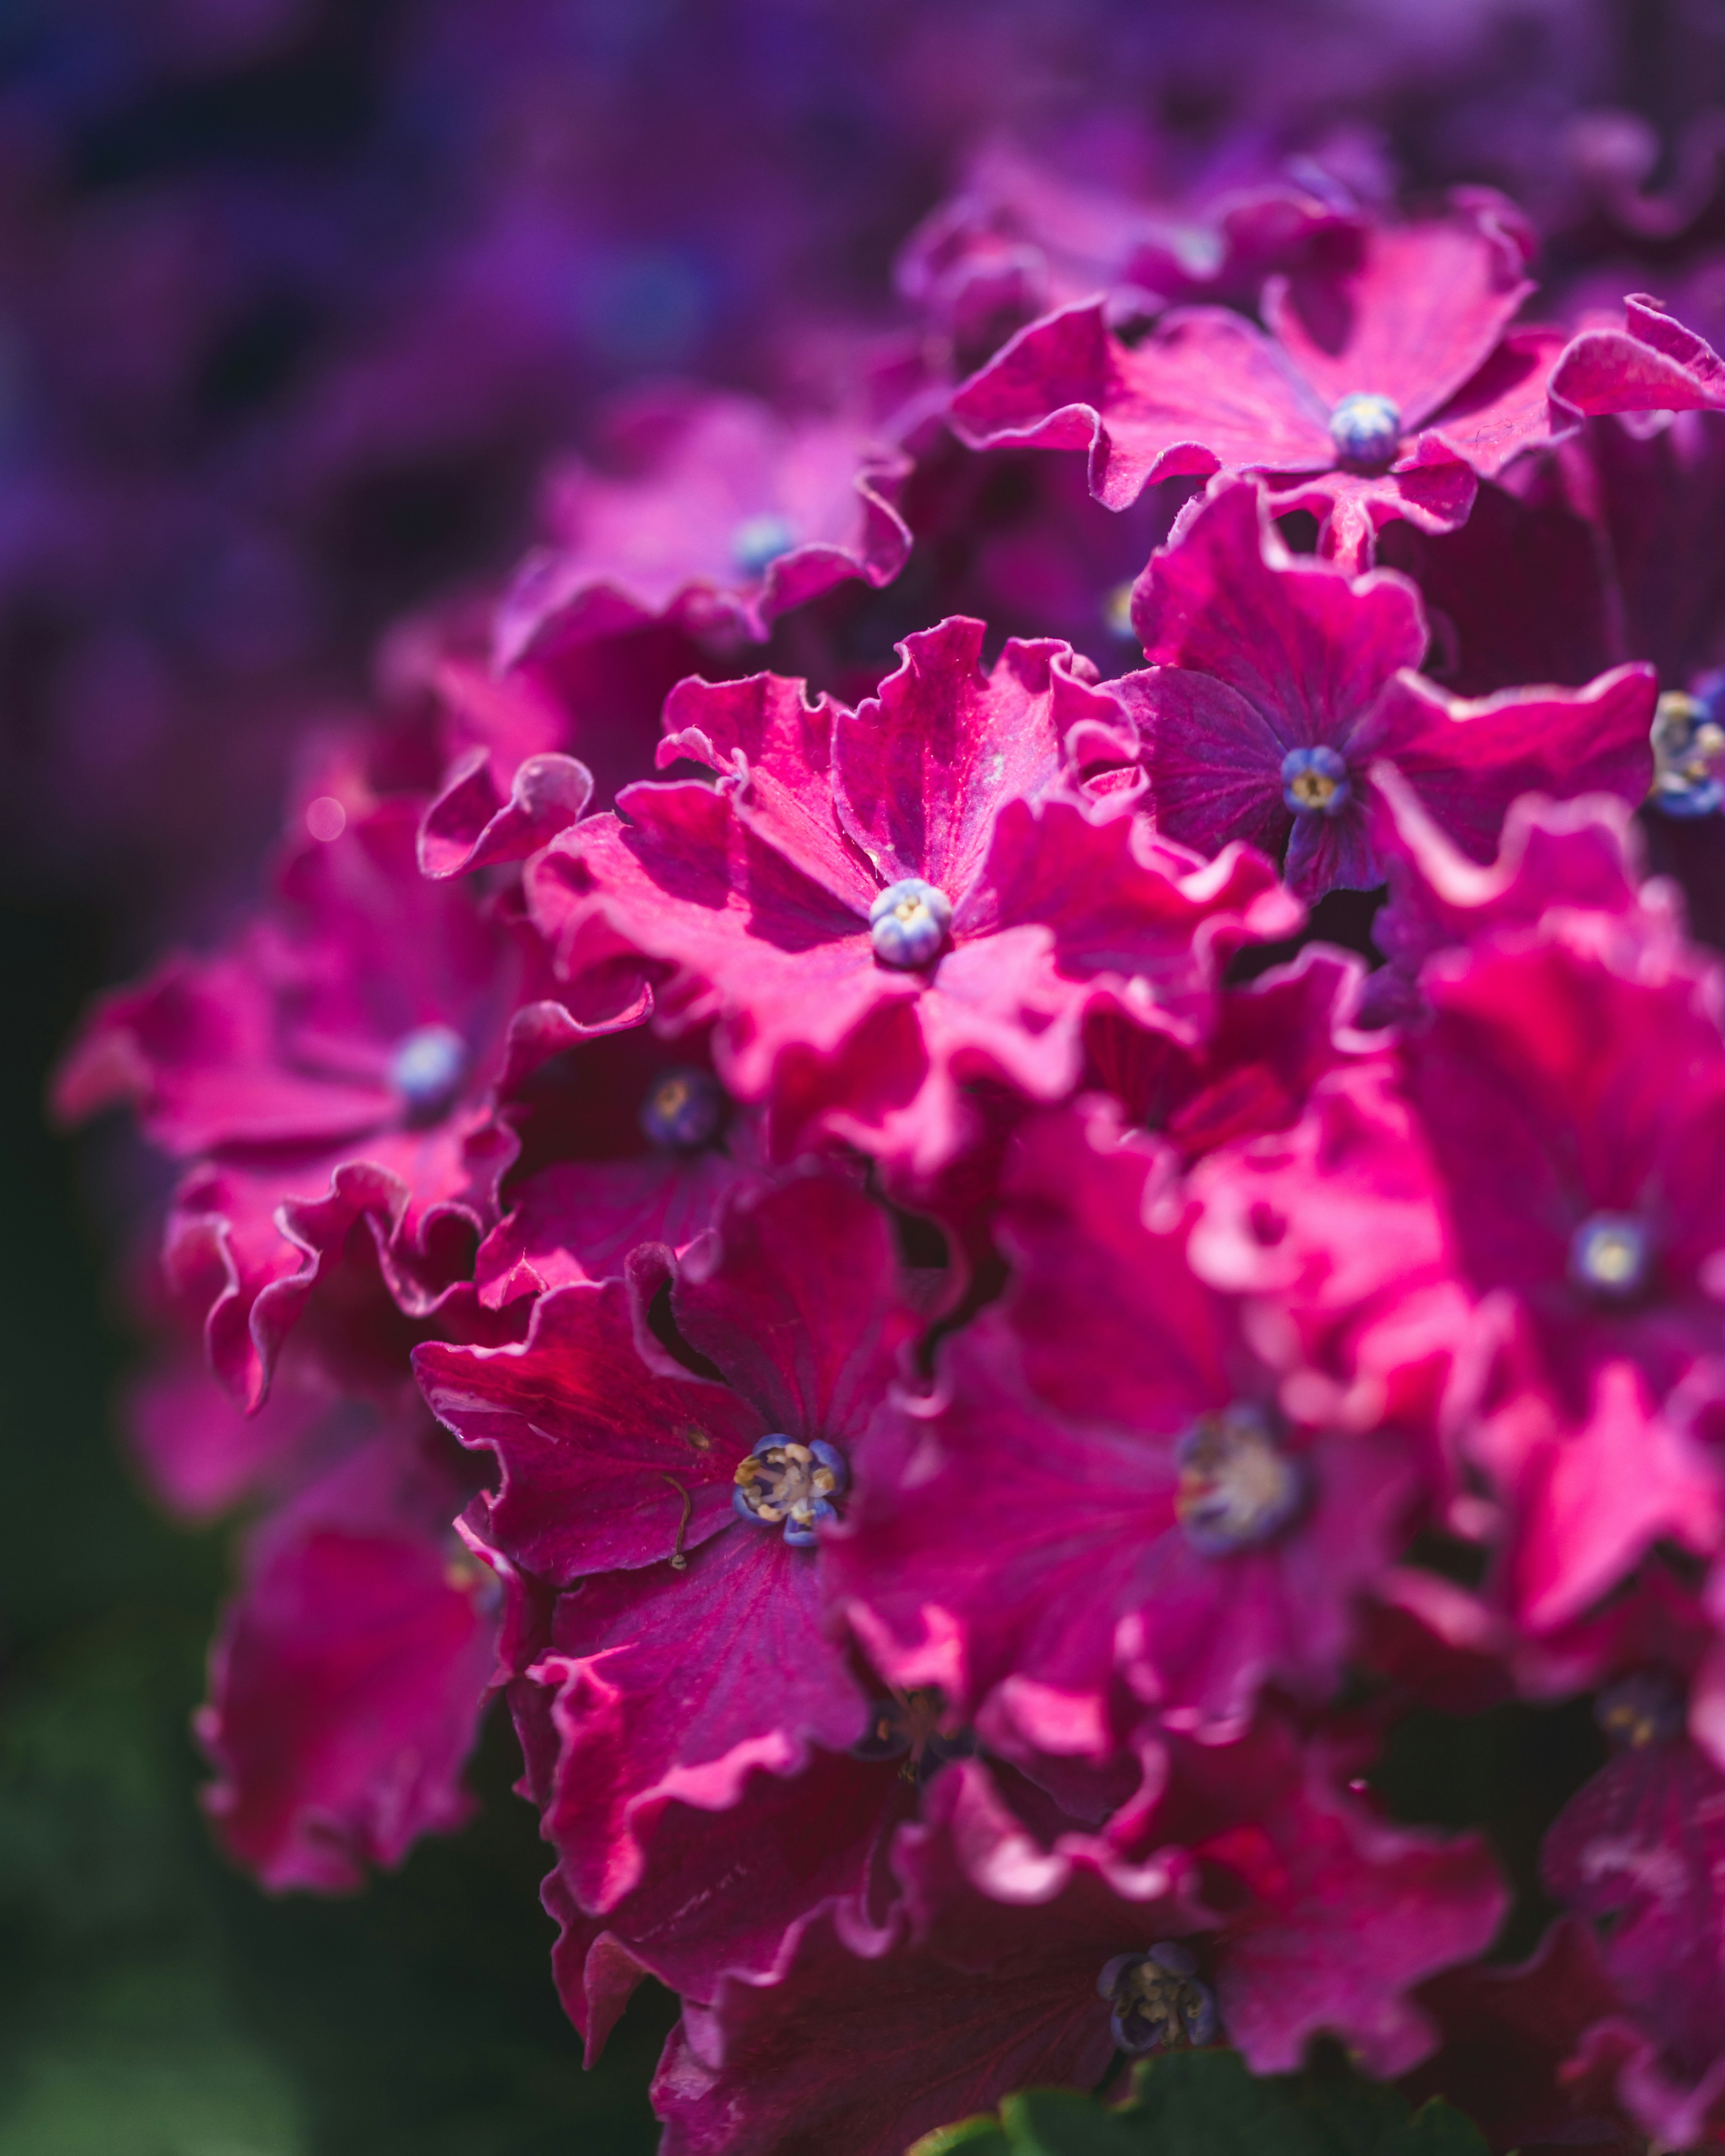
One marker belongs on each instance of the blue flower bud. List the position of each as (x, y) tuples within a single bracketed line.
[(1367, 431), (427, 1068), (908, 922), (759, 540)]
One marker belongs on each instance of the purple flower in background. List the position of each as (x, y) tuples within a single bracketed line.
[(1637, 1851), (1020, 238), (1654, 363), (728, 517), (347, 1680)]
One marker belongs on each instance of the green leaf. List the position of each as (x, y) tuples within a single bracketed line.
[(1062, 2123), (1206, 2104), (981, 2136), (1437, 2129)]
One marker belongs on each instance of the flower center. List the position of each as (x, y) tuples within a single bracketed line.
[(683, 1109), (427, 1067), (1117, 613), (1158, 2003), (1646, 1708), (759, 540), (908, 922), (782, 1483), (1367, 431), (1688, 746), (1610, 1253), (907, 1726), (1237, 1485), (1314, 782)]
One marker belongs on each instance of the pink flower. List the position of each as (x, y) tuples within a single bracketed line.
[(335, 1070), (879, 904), (1327, 1918), (729, 516), (1391, 382), (857, 2047), (625, 1140), (688, 1511), (1123, 1471), (1276, 684), (1638, 1851), (1573, 1098), (1652, 364), (347, 1680)]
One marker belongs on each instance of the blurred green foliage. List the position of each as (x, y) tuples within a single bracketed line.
[(153, 2003), (1205, 2103)]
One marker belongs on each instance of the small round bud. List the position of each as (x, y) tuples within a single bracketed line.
[(1610, 1254), (908, 922), (1367, 431), (427, 1067), (759, 540), (683, 1109)]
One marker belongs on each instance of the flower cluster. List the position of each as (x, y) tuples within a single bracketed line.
[(845, 1228)]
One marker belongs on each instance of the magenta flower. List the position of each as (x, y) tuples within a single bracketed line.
[(726, 516), (1575, 1104), (856, 2046), (1574, 1101), (1269, 1046), (1652, 364), (1119, 1473), (1328, 1916), (1019, 238), (1583, 856), (1275, 684), (879, 904), (347, 1682), (625, 1140), (1639, 1852), (1390, 383), (336, 1065), (690, 1512), (1294, 1914), (721, 1891)]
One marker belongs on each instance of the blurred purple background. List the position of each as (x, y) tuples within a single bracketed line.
[(298, 297)]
